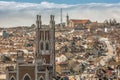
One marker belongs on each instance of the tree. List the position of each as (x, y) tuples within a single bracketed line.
[(110, 21), (6, 58), (114, 21), (106, 22)]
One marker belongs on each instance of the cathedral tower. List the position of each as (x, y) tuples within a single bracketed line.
[(44, 66), (45, 44)]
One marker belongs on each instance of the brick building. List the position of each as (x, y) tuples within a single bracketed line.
[(43, 66), (79, 23)]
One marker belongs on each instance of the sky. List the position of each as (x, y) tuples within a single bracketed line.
[(68, 1), (23, 12)]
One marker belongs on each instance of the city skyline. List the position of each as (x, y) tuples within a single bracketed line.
[(22, 13)]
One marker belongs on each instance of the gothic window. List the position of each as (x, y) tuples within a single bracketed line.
[(47, 46), (12, 78), (27, 77), (41, 45), (42, 35), (41, 78), (44, 60), (46, 35)]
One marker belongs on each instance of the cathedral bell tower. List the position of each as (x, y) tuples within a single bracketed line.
[(45, 45), (67, 21)]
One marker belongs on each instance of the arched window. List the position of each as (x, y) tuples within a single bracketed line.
[(44, 60), (26, 77), (47, 46), (46, 35), (41, 45), (41, 78), (12, 78), (41, 35)]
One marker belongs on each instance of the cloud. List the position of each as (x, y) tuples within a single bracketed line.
[(17, 14)]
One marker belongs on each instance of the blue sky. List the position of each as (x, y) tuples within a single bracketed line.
[(23, 12), (69, 1)]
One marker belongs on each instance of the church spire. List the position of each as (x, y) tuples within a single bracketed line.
[(67, 20), (52, 22), (38, 21)]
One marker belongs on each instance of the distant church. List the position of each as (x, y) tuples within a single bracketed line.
[(76, 22), (43, 68)]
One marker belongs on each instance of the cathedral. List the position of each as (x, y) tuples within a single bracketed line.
[(43, 66)]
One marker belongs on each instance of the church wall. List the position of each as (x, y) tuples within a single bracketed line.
[(26, 70), (12, 75), (40, 75)]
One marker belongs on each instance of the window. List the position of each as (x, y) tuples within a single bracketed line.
[(47, 46), (41, 78), (46, 35), (41, 46), (44, 60), (12, 78), (27, 77), (41, 35)]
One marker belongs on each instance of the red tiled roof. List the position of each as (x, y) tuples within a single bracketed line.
[(80, 21)]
